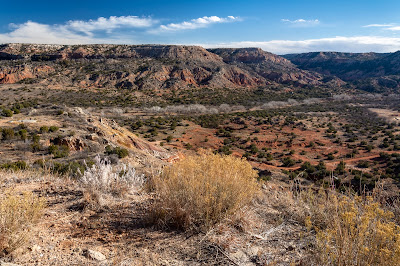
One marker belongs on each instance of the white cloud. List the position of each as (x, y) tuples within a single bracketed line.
[(338, 43), (390, 26), (378, 25), (394, 28), (109, 24), (194, 24), (86, 32), (301, 22), (74, 31), (32, 32)]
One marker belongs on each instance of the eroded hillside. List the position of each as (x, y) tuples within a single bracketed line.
[(147, 66)]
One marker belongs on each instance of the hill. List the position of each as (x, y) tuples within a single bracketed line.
[(368, 71)]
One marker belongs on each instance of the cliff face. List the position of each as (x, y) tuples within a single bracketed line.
[(347, 66), (9, 75), (147, 66), (368, 71)]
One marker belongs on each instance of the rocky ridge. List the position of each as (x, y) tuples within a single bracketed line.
[(147, 66)]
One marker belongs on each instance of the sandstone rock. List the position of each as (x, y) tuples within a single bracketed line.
[(92, 137), (94, 255), (73, 143)]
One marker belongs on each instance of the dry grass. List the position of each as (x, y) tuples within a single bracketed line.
[(18, 214), (202, 190)]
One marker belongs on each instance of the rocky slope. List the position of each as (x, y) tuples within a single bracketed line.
[(147, 66), (267, 65), (369, 71)]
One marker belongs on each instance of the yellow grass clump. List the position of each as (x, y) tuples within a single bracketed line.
[(18, 214), (200, 191)]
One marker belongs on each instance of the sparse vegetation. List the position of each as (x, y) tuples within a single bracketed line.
[(313, 157)]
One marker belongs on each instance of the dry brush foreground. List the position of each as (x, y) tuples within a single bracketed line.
[(280, 225)]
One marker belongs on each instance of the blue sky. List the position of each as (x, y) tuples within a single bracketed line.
[(276, 26)]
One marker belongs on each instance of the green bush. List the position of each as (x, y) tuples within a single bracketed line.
[(121, 152), (7, 113), (59, 151), (8, 133), (341, 168), (18, 165), (23, 134), (53, 129), (288, 162), (44, 129), (73, 169), (35, 146)]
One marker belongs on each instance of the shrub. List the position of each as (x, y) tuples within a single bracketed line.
[(15, 166), (340, 168), (363, 164), (102, 178), (53, 129), (121, 152), (7, 113), (23, 134), (74, 169), (59, 151), (44, 129), (8, 133), (202, 190), (288, 162), (17, 216), (359, 233)]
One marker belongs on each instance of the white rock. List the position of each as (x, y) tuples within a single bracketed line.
[(94, 255), (8, 264), (35, 248)]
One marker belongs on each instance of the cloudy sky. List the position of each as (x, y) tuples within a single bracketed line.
[(285, 26)]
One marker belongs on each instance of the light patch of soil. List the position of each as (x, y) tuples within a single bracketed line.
[(391, 115)]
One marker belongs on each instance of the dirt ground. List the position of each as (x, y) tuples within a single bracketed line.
[(121, 231)]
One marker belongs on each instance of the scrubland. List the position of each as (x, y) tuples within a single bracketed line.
[(290, 182)]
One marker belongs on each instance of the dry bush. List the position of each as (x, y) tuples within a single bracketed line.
[(18, 214), (359, 232), (105, 179), (350, 230), (202, 190)]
